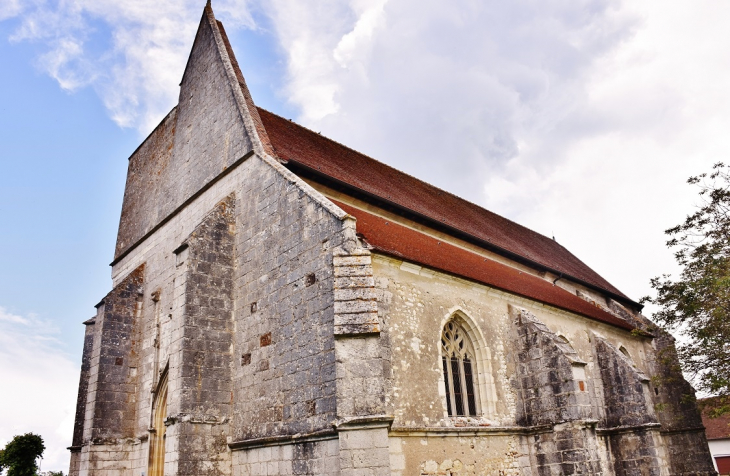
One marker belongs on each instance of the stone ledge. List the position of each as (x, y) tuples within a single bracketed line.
[(467, 431), (356, 330), (356, 307), (280, 440), (697, 429), (627, 429), (363, 422), (460, 431), (195, 419), (364, 293)]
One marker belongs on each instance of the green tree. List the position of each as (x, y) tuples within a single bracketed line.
[(20, 455), (697, 304)]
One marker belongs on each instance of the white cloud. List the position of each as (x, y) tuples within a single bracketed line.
[(448, 91), (656, 111), (132, 53), (40, 386), (581, 119), (9, 8)]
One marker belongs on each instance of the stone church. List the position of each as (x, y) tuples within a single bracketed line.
[(284, 305)]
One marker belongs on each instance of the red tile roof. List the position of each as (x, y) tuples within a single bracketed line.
[(402, 242), (294, 143), (715, 428)]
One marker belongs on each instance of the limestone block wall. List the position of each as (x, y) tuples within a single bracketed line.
[(78, 435), (107, 404), (457, 452), (553, 393), (537, 397), (415, 303), (198, 140), (320, 457), (147, 171), (201, 427), (297, 353), (163, 313), (114, 399), (83, 395), (547, 387), (284, 375), (676, 410)]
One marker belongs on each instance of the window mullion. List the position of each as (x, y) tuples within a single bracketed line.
[(450, 386), (464, 388)]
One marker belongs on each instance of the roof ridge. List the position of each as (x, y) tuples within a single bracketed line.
[(381, 181), (413, 177)]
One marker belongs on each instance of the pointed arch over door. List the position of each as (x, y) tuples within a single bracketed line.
[(157, 435)]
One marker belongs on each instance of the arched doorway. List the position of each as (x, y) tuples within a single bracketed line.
[(157, 436)]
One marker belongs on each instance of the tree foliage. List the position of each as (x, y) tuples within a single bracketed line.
[(20, 455), (697, 304)]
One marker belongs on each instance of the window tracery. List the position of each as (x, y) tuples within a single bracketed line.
[(459, 367)]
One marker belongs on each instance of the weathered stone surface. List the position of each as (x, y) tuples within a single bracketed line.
[(547, 391), (549, 395), (676, 410), (355, 300), (203, 136), (117, 331), (628, 414), (78, 436), (290, 346), (206, 359)]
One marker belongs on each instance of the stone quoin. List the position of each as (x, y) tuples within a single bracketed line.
[(283, 305)]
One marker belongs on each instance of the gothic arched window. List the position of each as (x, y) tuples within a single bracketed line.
[(459, 366)]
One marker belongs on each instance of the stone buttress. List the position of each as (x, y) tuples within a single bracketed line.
[(253, 329)]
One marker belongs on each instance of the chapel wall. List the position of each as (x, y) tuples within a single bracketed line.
[(284, 366), (203, 136), (416, 302), (283, 264), (320, 457), (162, 322)]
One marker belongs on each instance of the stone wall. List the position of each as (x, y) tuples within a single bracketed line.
[(78, 435), (112, 386), (201, 138), (550, 395), (547, 391), (676, 409), (457, 453), (629, 417), (147, 171), (115, 396), (81, 400), (318, 457), (284, 377), (201, 424)]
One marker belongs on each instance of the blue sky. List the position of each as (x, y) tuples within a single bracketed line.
[(63, 166), (581, 120), (64, 163)]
